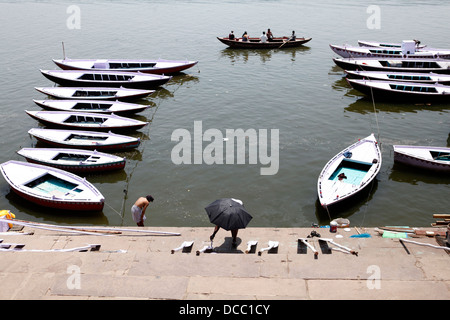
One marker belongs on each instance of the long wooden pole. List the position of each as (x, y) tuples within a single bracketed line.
[(86, 230), (425, 244), (64, 51)]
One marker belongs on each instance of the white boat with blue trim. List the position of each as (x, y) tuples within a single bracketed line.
[(90, 140), (349, 172), (51, 187), (86, 120), (73, 160), (159, 66), (95, 106), (423, 157)]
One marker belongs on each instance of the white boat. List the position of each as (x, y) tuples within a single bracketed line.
[(73, 160), (94, 93), (95, 106), (395, 64), (419, 77), (90, 78), (424, 157), (349, 172), (51, 187), (86, 121), (159, 66), (402, 91), (90, 140), (363, 43), (387, 53)]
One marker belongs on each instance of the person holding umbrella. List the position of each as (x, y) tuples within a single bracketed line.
[(229, 214)]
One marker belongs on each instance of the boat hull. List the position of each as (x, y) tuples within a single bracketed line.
[(360, 163), (24, 178), (59, 78), (396, 95), (85, 121), (399, 76), (91, 163), (365, 65), (94, 106), (278, 43), (60, 205), (174, 67), (402, 156), (100, 141), (374, 44), (94, 93), (386, 53)]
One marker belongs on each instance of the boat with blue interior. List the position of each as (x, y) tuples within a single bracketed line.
[(51, 187), (349, 172)]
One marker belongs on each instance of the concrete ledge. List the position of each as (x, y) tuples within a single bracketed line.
[(136, 266)]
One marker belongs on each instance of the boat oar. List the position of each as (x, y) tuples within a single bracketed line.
[(64, 50), (204, 249), (185, 244), (425, 244), (305, 241), (250, 245), (284, 42), (272, 245), (340, 246)]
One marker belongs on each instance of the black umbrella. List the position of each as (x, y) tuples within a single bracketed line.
[(228, 213)]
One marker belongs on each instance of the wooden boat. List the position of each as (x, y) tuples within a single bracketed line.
[(86, 121), (424, 157), (159, 66), (93, 93), (388, 53), (349, 172), (430, 78), (51, 187), (255, 43), (93, 106), (363, 43), (402, 91), (89, 78), (73, 160), (90, 140), (398, 65)]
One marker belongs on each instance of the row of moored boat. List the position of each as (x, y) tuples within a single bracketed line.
[(404, 71), (401, 72), (84, 115)]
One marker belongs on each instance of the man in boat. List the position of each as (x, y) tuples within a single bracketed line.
[(231, 35), (269, 35), (293, 36), (138, 209), (342, 176), (245, 36), (263, 37)]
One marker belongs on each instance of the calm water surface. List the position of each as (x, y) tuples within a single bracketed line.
[(299, 91)]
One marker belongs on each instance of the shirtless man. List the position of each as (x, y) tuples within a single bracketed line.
[(138, 209)]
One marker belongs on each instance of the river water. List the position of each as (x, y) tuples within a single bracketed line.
[(298, 93)]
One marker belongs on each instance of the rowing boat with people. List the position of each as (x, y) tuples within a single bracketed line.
[(255, 43)]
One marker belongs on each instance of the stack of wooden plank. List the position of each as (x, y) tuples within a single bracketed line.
[(444, 219)]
